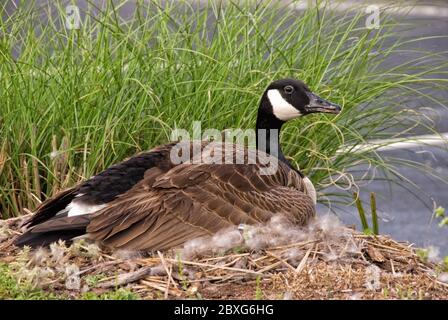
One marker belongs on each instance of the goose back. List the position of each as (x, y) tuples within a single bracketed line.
[(191, 200)]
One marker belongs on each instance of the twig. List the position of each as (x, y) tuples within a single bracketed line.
[(270, 267), (388, 247), (303, 261), (297, 244), (168, 272), (226, 264), (161, 288), (101, 265), (214, 266), (126, 278), (282, 260), (225, 257), (392, 266)]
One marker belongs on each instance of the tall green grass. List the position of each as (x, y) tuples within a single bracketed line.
[(75, 101)]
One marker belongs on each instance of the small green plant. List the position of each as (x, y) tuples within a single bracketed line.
[(362, 216), (374, 213), (421, 294), (199, 296), (93, 279), (180, 267), (239, 249), (118, 294), (440, 213), (443, 222), (386, 293), (258, 291), (422, 254), (405, 293)]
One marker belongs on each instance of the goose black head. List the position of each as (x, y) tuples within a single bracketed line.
[(287, 99)]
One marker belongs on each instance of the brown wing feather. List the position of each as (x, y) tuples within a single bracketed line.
[(192, 200)]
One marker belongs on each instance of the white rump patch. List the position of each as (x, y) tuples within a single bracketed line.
[(310, 190), (281, 108), (77, 208)]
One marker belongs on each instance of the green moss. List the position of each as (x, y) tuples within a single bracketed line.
[(12, 289)]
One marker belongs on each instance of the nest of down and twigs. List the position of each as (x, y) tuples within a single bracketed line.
[(337, 264)]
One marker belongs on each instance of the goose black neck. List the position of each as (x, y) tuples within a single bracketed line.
[(268, 131)]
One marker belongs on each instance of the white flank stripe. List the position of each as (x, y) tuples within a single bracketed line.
[(280, 107), (77, 208), (311, 191)]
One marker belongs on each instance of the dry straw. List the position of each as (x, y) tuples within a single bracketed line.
[(331, 261)]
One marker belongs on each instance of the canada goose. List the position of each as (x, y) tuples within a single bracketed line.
[(150, 203)]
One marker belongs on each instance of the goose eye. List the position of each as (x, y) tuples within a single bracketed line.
[(288, 89)]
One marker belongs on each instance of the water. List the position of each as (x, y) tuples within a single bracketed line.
[(402, 214), (408, 217)]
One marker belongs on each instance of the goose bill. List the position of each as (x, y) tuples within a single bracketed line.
[(318, 104)]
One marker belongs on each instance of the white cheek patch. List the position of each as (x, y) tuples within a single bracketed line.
[(281, 108), (310, 190), (77, 208)]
